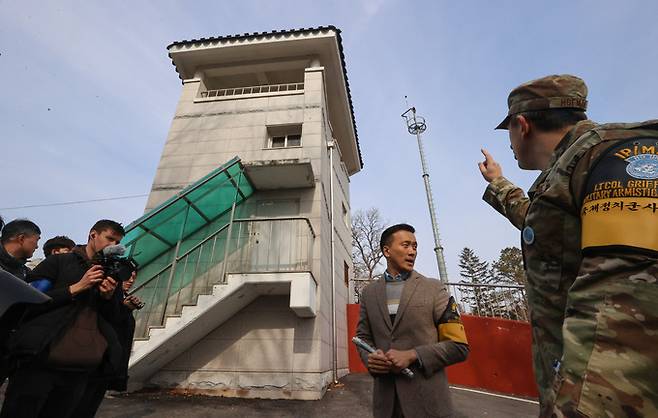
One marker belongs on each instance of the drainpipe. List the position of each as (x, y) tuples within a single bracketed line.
[(334, 346), (330, 147)]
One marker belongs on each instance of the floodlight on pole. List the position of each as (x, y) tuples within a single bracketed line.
[(416, 125)]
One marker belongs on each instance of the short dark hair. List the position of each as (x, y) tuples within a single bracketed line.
[(105, 224), (19, 227), (57, 242), (388, 233), (549, 120)]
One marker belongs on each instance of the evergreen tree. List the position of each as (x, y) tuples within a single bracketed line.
[(473, 272), (490, 290)]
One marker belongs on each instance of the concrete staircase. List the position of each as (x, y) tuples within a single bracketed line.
[(179, 332)]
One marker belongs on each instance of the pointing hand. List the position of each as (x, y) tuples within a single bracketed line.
[(489, 168)]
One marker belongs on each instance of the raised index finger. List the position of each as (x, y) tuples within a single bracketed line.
[(487, 156)]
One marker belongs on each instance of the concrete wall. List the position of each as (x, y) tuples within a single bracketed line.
[(205, 135), (265, 350)]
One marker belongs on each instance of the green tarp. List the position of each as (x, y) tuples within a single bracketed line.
[(196, 212)]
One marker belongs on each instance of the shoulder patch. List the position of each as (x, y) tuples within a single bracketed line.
[(620, 203), (451, 313)]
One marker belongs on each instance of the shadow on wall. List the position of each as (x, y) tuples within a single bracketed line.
[(265, 336)]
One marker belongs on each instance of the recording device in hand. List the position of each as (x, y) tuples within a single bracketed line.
[(364, 345), (135, 302), (114, 264)]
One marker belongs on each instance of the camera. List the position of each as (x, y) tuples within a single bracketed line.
[(114, 264), (120, 269)]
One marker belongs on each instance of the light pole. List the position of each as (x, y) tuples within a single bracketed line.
[(416, 125)]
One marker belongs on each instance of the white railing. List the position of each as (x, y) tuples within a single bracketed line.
[(492, 300), (239, 91)]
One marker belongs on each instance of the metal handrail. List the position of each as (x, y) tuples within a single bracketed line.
[(178, 259), (508, 286), (191, 282), (284, 218), (264, 88), (141, 286), (492, 300)]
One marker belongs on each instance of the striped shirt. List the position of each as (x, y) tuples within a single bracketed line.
[(394, 286)]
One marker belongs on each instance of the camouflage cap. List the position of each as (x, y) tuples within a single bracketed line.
[(551, 92)]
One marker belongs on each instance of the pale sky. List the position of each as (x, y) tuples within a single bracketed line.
[(89, 93)]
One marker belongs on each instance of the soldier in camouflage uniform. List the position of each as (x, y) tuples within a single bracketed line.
[(590, 244)]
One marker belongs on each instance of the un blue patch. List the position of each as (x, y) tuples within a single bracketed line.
[(643, 166), (528, 235)]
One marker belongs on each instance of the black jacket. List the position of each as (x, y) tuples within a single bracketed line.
[(124, 326), (10, 318), (43, 324), (12, 265)]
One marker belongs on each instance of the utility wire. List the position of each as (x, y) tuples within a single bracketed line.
[(76, 202)]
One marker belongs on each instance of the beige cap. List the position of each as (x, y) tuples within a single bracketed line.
[(551, 92)]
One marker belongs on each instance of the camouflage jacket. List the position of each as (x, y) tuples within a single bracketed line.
[(573, 226)]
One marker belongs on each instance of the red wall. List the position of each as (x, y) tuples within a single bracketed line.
[(356, 365), (500, 358)]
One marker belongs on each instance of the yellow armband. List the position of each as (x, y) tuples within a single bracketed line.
[(450, 324)]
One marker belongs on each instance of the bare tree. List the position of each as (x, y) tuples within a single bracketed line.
[(367, 228)]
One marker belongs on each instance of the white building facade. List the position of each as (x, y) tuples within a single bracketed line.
[(265, 322)]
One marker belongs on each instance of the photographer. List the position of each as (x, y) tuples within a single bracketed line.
[(57, 346), (124, 326)]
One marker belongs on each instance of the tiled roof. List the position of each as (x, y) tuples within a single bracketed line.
[(256, 35)]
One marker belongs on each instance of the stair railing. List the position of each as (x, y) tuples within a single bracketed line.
[(257, 245)]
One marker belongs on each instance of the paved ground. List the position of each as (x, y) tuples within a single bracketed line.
[(353, 399)]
